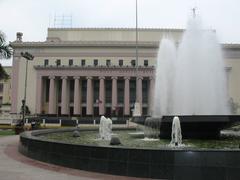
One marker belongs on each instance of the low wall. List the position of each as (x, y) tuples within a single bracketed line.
[(148, 163)]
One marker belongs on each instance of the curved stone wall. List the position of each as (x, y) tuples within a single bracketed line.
[(149, 163)]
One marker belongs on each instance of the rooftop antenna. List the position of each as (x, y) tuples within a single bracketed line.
[(62, 21), (194, 12)]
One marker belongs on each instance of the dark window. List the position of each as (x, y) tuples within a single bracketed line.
[(145, 89), (132, 91), (45, 62), (70, 62), (120, 62), (71, 84), (47, 90), (133, 63), (95, 90), (108, 90), (108, 62), (120, 90), (84, 91), (145, 62), (95, 62), (1, 87), (58, 62), (83, 62)]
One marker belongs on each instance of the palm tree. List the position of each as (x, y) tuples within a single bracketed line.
[(6, 52)]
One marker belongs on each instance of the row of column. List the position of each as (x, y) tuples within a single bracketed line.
[(89, 100)]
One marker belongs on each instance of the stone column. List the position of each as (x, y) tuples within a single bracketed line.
[(101, 99), (89, 96), (77, 96), (126, 96), (151, 91), (39, 95), (139, 92), (65, 102), (114, 93), (52, 96)]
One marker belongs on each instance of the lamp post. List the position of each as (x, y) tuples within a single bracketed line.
[(28, 57), (137, 100)]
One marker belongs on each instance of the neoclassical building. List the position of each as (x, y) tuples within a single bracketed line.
[(93, 71)]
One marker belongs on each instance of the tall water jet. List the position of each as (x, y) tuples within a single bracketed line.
[(200, 83), (193, 82), (165, 73)]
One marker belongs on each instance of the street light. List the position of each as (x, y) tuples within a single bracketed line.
[(136, 105), (28, 57)]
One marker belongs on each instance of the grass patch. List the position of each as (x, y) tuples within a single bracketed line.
[(6, 132)]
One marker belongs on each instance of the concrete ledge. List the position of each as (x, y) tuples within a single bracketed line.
[(148, 163)]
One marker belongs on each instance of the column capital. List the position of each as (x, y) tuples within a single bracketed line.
[(139, 77), (89, 77), (114, 77), (127, 77), (51, 77), (64, 77), (151, 78), (76, 77), (101, 77)]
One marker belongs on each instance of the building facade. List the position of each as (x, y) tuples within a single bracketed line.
[(5, 93), (93, 71)]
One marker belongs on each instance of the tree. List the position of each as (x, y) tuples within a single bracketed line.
[(6, 52)]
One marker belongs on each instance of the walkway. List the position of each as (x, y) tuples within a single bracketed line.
[(15, 166)]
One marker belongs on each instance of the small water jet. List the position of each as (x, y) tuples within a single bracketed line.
[(105, 128), (151, 129), (176, 139)]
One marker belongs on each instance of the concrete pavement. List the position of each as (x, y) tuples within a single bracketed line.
[(15, 166)]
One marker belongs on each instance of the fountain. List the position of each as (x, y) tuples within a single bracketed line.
[(191, 83), (176, 133), (105, 128), (191, 87)]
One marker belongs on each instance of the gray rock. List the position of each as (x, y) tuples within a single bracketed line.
[(115, 141), (76, 133)]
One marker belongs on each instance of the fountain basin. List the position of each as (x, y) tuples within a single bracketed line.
[(164, 163), (195, 126)]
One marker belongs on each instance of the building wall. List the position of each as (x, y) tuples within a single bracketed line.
[(102, 44), (5, 93), (111, 34)]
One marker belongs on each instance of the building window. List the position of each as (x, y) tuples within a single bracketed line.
[(145, 62), (58, 62), (133, 62), (70, 62), (95, 62), (1, 87), (46, 62), (108, 62), (83, 62), (120, 62)]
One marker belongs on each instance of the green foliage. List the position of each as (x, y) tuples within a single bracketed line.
[(6, 52), (6, 132)]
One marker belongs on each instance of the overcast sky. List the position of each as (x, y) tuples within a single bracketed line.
[(33, 17)]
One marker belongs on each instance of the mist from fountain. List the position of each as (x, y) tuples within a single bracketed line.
[(194, 83)]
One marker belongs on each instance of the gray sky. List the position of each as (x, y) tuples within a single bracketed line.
[(33, 17)]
